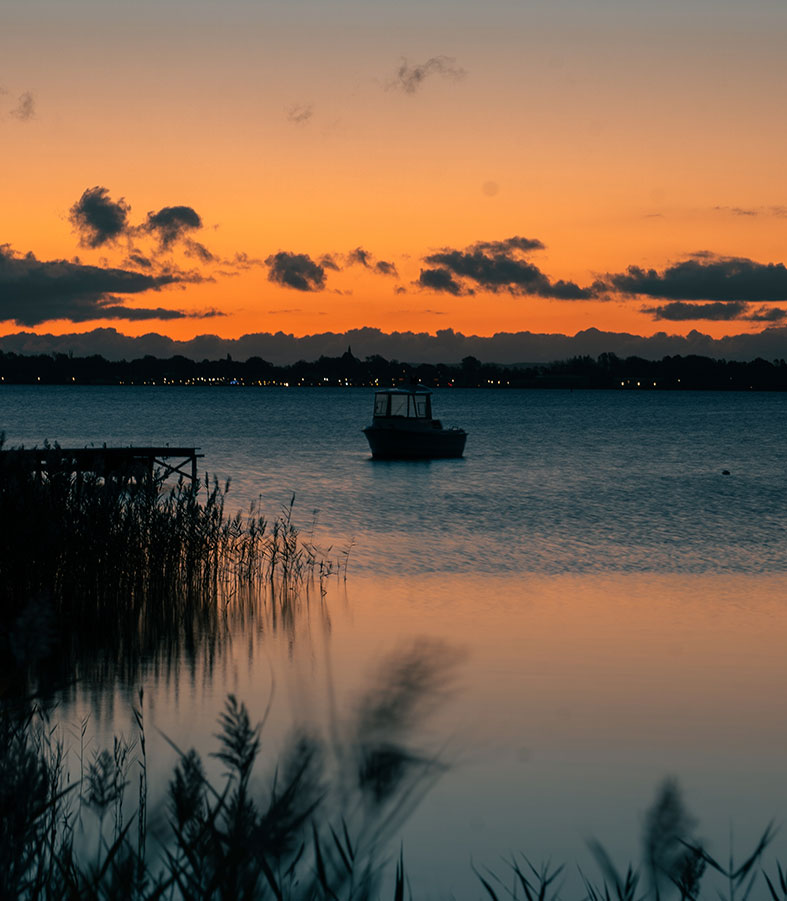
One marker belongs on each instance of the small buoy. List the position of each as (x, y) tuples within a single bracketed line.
[(725, 472)]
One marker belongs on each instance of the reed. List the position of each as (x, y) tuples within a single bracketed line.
[(675, 864), (297, 837), (97, 574), (317, 829)]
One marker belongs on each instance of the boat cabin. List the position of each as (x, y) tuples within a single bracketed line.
[(403, 428), (407, 403)]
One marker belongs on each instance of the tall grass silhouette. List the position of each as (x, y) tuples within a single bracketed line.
[(317, 827), (98, 574)]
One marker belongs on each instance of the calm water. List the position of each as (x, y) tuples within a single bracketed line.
[(613, 604), (552, 481)]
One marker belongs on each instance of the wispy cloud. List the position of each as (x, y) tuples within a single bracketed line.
[(300, 113), (778, 212), (25, 108), (361, 257), (410, 79)]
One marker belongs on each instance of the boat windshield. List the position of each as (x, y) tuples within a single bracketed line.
[(413, 406)]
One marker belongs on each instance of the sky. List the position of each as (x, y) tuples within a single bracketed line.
[(192, 167)]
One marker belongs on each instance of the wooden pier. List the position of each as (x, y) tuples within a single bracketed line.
[(111, 462)]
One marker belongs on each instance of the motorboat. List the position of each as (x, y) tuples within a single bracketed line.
[(403, 428)]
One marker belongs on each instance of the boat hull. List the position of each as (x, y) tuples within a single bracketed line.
[(415, 444)]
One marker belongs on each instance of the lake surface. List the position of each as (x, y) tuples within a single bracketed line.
[(609, 606)]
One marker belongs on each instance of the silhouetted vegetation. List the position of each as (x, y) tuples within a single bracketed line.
[(675, 863), (97, 575), (318, 830), (605, 371)]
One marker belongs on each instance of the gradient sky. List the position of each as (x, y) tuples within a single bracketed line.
[(317, 166)]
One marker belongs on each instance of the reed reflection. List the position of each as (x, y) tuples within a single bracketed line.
[(105, 580)]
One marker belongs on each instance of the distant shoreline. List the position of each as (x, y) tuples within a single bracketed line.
[(607, 371)]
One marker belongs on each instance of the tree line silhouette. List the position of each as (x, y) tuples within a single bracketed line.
[(605, 371)]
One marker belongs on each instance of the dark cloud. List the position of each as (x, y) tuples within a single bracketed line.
[(97, 218), (705, 277), (441, 280), (717, 311), (515, 243), (328, 261), (106, 310), (497, 266), (361, 257), (138, 259), (25, 108), (767, 314), (778, 211), (410, 78), (33, 291), (383, 267), (171, 223), (296, 270), (300, 113), (199, 251)]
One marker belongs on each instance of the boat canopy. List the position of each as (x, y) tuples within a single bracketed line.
[(412, 403)]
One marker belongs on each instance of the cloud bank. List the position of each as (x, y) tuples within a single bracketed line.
[(707, 277), (446, 346), (33, 291)]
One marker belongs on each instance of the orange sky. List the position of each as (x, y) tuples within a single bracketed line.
[(617, 137)]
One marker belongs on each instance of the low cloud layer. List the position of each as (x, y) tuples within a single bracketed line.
[(410, 79), (33, 291), (715, 311), (446, 346), (497, 266)]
